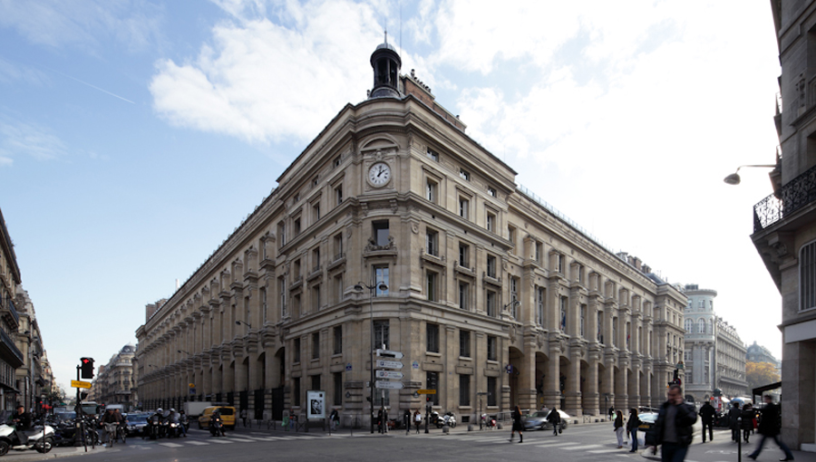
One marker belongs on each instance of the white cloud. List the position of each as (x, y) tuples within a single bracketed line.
[(18, 138), (11, 72), (263, 81)]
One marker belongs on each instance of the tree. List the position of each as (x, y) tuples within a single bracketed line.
[(760, 374)]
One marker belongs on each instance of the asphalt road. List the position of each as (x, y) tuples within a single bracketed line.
[(594, 442)]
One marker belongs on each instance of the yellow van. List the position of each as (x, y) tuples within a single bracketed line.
[(227, 417)]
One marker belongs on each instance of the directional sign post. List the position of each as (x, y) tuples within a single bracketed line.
[(79, 384), (389, 353), (382, 384), (388, 375), (382, 363), (426, 392)]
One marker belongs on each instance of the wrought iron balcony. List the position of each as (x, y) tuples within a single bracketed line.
[(9, 313), (788, 199), (11, 350)]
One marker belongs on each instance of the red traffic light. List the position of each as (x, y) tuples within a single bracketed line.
[(85, 360)]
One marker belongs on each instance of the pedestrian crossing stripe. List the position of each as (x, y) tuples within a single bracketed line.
[(220, 441), (197, 443), (582, 447), (242, 440), (172, 445), (603, 451), (555, 445)]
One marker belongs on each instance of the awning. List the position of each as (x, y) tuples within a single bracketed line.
[(764, 388)]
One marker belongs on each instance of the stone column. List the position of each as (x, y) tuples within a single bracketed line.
[(552, 388), (572, 403), (590, 395), (526, 392)]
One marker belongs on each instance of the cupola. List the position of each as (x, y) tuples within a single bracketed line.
[(386, 63)]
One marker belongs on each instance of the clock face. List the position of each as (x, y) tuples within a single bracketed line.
[(379, 174)]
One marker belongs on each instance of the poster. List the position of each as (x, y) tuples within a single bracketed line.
[(316, 404)]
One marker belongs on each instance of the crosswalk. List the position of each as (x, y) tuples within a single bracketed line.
[(229, 439)]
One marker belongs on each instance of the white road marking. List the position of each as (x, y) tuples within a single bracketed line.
[(582, 447), (604, 451), (220, 441), (172, 445), (555, 445), (197, 443)]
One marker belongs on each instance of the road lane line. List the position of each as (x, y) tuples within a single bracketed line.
[(197, 443), (582, 447), (555, 445), (172, 445), (604, 451), (219, 441)]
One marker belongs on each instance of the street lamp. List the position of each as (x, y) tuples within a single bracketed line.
[(359, 288), (734, 178)]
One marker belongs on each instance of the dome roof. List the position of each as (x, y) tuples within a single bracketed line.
[(386, 46)]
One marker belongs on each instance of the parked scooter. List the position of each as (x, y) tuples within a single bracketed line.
[(40, 438), (488, 422), (449, 419)]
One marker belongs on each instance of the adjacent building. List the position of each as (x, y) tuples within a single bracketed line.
[(394, 228), (116, 381), (759, 354), (785, 221), (714, 358), (32, 380), (10, 356)]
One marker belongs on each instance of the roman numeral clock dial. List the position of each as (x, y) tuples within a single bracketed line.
[(379, 174)]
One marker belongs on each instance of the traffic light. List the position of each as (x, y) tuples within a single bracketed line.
[(676, 375), (82, 395), (87, 368), (428, 398)]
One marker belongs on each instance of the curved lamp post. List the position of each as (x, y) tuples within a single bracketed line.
[(359, 288), (734, 178)]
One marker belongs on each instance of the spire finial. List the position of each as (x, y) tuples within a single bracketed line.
[(386, 36)]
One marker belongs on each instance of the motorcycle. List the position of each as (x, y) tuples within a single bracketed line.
[(217, 427), (152, 430), (435, 419), (450, 419), (488, 422), (173, 430), (40, 438)]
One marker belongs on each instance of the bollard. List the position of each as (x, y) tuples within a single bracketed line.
[(739, 439)]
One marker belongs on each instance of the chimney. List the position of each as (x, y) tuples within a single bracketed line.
[(637, 263), (646, 269)]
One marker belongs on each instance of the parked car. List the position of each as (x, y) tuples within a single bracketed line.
[(538, 420), (647, 423)]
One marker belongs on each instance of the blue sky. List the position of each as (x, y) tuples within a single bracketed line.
[(136, 135)]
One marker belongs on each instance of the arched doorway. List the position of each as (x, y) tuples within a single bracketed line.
[(259, 386), (278, 388), (516, 357), (541, 364)]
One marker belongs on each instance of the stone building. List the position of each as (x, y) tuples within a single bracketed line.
[(115, 382), (785, 221), (31, 379), (486, 288), (711, 357), (759, 354), (10, 356), (729, 361)]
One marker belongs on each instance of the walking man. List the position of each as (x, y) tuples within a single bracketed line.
[(555, 419), (707, 413), (769, 426), (733, 420), (673, 428)]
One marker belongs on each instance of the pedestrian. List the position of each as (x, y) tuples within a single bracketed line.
[(707, 414), (554, 417), (380, 423), (292, 418), (747, 421), (611, 412), (334, 419), (673, 427), (417, 420), (733, 421), (618, 425), (243, 416), (518, 426), (285, 422), (406, 420), (632, 428), (770, 422)]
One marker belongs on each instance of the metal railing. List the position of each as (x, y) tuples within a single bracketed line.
[(5, 339), (788, 199)]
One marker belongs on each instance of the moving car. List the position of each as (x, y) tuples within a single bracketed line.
[(136, 424), (647, 423), (538, 421), (227, 417)]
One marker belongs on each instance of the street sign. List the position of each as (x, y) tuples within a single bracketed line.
[(393, 354), (426, 392), (388, 374), (80, 384), (388, 364), (388, 385)]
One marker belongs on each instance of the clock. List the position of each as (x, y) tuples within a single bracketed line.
[(379, 174)]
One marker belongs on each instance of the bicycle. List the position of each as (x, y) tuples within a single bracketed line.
[(122, 433), (110, 432)]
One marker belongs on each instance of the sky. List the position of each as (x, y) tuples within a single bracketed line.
[(136, 135)]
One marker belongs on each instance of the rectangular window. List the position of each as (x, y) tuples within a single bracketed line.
[(538, 248), (316, 298), (296, 351), (463, 174), (380, 232), (282, 295), (297, 226), (464, 255), (338, 246), (381, 275), (807, 276), (600, 327), (615, 332), (464, 343), (316, 259), (492, 399), (464, 390), (583, 320), (491, 266), (431, 288), (541, 294), (559, 263), (338, 388), (563, 317), (338, 195), (491, 191), (430, 191), (491, 303), (316, 346), (464, 205), (381, 334), (315, 212), (296, 270), (316, 382), (296, 391), (336, 161), (281, 233), (381, 397), (464, 295), (432, 383), (514, 296), (433, 155), (338, 340), (490, 222), (263, 303), (492, 351), (338, 288), (432, 242), (511, 235), (432, 338)]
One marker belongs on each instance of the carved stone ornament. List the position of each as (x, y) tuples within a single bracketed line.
[(415, 228), (513, 333), (373, 247)]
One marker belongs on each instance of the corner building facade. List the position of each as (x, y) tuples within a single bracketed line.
[(489, 291)]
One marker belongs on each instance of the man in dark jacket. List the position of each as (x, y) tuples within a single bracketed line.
[(707, 414), (673, 428), (733, 421), (22, 422), (769, 425), (555, 419)]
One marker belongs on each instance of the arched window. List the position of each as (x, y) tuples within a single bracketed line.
[(701, 326), (689, 325)]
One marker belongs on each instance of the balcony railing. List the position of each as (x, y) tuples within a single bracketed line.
[(6, 342), (10, 311), (788, 199)]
